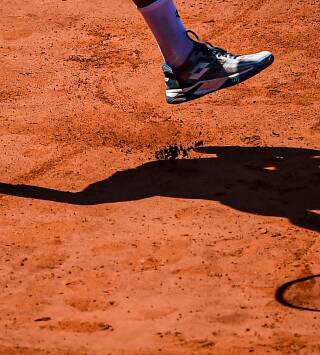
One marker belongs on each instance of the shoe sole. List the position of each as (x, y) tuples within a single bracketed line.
[(178, 96)]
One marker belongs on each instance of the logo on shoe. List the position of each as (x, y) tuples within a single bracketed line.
[(199, 70)]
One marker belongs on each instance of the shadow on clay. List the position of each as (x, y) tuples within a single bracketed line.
[(293, 302), (269, 181)]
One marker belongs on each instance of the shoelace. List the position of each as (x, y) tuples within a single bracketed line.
[(218, 52)]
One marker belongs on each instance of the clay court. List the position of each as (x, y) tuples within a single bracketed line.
[(106, 249)]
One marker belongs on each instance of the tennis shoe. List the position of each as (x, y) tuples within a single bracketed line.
[(209, 69)]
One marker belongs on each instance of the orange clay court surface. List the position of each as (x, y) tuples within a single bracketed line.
[(107, 250)]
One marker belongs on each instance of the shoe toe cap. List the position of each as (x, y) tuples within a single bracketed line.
[(256, 57)]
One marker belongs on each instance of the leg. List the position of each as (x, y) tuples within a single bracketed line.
[(165, 23), (143, 3)]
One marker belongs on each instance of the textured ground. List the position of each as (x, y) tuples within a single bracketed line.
[(106, 250)]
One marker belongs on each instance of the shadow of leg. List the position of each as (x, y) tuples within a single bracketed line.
[(306, 219)]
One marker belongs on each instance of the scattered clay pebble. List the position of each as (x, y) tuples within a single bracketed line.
[(105, 326), (43, 319), (172, 152)]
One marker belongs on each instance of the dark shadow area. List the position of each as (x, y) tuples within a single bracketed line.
[(280, 295), (282, 182)]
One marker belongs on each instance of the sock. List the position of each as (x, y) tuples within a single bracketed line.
[(164, 21)]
